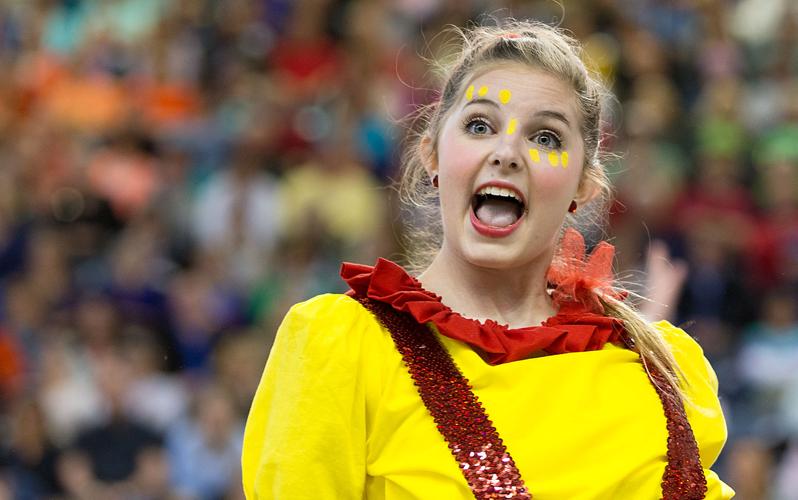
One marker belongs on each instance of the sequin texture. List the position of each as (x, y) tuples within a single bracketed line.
[(475, 444), (684, 476)]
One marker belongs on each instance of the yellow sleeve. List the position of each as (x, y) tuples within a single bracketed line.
[(702, 404), (306, 432)]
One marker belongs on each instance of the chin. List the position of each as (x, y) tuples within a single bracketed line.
[(493, 256), (520, 249)]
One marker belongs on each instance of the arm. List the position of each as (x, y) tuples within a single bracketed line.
[(305, 434)]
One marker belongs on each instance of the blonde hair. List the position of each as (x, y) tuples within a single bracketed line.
[(550, 49)]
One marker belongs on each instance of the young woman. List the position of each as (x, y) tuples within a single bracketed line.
[(510, 367)]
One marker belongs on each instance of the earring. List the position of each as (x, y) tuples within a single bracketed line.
[(435, 180), (572, 207)]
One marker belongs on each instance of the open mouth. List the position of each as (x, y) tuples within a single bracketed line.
[(497, 206)]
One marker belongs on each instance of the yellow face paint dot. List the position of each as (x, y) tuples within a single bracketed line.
[(564, 159), (534, 154), (504, 96), (470, 92), (483, 90), (511, 126), (554, 159)]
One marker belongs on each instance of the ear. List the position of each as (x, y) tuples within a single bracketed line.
[(587, 190), (428, 156)]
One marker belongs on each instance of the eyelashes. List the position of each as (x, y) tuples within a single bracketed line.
[(548, 139), (477, 125), (481, 125)]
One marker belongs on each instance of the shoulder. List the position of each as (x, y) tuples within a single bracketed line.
[(676, 336), (689, 355), (329, 312), (328, 306), (328, 324), (700, 388), (310, 404)]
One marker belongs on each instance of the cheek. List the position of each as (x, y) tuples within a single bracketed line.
[(456, 155), (458, 162), (454, 191), (553, 183)]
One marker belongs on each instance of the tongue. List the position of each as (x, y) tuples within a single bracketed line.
[(497, 213)]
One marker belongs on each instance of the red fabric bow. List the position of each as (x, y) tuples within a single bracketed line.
[(576, 279)]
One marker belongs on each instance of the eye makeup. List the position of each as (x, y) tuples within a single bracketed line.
[(549, 143), (554, 159), (511, 126)]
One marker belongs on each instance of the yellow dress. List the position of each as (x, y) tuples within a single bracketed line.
[(336, 416)]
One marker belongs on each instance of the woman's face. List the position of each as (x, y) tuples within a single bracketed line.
[(509, 161)]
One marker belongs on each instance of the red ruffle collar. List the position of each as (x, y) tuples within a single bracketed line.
[(575, 328)]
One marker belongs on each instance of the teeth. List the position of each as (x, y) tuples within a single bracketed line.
[(498, 191)]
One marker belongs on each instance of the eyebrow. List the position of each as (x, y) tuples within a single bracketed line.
[(481, 100), (545, 113), (553, 114)]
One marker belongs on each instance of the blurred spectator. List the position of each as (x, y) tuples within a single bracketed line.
[(238, 360), (66, 388), (768, 361), (200, 310), (774, 248), (205, 449), (751, 467), (155, 397), (32, 456), (336, 196), (97, 323), (237, 216), (714, 290), (106, 458), (125, 173), (138, 270)]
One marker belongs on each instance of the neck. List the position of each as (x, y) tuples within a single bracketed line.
[(516, 297)]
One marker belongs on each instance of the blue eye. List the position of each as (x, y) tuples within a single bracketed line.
[(547, 139), (478, 126)]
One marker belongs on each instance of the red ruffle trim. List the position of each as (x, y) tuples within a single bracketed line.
[(573, 329)]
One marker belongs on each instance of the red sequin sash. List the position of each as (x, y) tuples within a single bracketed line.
[(483, 459), (475, 444), (684, 475)]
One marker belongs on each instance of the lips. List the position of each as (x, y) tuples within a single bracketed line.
[(497, 208)]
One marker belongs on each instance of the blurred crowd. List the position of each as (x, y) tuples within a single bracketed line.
[(174, 174)]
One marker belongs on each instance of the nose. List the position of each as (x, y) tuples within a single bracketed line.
[(505, 156)]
